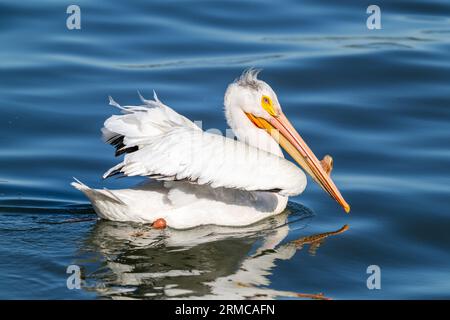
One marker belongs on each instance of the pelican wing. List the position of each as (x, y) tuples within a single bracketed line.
[(164, 145)]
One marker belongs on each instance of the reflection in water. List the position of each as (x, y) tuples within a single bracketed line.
[(135, 261)]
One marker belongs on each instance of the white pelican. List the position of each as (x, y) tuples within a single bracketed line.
[(203, 178)]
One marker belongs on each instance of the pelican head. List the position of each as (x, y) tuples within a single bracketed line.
[(255, 99)]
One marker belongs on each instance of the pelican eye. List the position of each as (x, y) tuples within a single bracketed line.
[(267, 105)]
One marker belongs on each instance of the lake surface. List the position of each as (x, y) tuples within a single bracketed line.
[(378, 101)]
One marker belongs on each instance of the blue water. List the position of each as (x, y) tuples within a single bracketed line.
[(378, 101)]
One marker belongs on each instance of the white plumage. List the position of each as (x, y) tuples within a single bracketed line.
[(183, 205), (202, 178), (173, 148), (205, 178)]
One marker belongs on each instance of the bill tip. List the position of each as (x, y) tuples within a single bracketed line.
[(347, 208)]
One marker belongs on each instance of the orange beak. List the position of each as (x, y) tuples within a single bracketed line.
[(284, 133)]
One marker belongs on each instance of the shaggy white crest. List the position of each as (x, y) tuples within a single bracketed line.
[(249, 78)]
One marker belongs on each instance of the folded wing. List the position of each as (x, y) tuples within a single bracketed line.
[(164, 145)]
